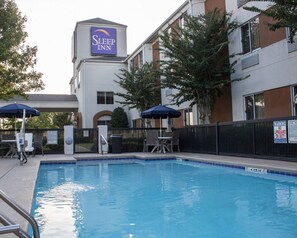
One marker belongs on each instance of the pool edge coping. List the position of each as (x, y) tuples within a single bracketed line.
[(235, 164)]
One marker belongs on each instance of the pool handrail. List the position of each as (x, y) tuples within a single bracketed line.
[(22, 212), (103, 141)]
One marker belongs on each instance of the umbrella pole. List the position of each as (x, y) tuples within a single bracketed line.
[(22, 155)]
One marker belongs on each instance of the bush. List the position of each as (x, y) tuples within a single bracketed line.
[(119, 118)]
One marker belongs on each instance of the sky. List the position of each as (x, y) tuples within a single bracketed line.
[(50, 25)]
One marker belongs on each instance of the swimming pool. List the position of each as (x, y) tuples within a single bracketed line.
[(168, 198)]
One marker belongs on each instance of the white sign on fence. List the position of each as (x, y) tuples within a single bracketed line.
[(52, 137), (292, 131)]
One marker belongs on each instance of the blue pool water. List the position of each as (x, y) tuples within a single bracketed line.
[(164, 199)]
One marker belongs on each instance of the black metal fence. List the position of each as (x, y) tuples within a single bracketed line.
[(132, 138), (48, 148), (85, 140), (243, 138)]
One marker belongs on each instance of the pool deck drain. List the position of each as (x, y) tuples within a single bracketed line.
[(18, 182)]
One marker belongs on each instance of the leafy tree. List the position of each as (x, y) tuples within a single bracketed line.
[(61, 119), (197, 60), (119, 118), (284, 14), (49, 120), (16, 59), (142, 87), (44, 120)]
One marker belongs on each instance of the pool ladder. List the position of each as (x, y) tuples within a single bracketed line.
[(103, 141), (9, 226)]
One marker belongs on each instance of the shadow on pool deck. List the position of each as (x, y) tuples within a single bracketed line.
[(18, 182)]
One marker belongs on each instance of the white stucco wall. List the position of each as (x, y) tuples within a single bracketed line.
[(99, 76)]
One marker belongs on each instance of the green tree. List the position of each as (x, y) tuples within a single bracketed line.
[(141, 85), (44, 120), (197, 60), (61, 119), (119, 118), (49, 120), (17, 60), (284, 14)]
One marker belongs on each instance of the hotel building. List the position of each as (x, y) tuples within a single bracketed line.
[(267, 59)]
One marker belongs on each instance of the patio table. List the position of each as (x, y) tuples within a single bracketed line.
[(162, 145)]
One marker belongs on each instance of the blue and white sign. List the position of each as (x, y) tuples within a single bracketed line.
[(280, 131), (103, 41)]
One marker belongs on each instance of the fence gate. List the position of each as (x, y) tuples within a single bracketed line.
[(85, 140)]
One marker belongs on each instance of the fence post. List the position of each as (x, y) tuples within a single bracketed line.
[(254, 138), (102, 142), (217, 138), (68, 140)]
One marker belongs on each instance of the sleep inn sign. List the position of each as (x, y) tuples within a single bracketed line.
[(103, 41)]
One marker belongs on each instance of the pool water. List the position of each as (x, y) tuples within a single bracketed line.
[(174, 199)]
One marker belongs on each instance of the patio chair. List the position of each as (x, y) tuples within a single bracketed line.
[(38, 142), (174, 141), (151, 139)]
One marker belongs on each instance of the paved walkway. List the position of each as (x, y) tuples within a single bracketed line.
[(18, 182)]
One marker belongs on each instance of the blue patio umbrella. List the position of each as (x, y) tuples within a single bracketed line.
[(15, 110), (18, 110), (160, 111)]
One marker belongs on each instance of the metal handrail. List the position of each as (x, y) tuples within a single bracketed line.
[(103, 141), (22, 212)]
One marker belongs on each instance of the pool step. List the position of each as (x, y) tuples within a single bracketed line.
[(10, 227)]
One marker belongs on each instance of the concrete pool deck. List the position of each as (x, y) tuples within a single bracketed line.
[(18, 182)]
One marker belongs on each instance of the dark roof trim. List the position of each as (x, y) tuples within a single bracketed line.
[(103, 60), (46, 97), (100, 21)]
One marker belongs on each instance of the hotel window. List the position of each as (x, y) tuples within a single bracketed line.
[(294, 100), (182, 22), (104, 97), (134, 123), (104, 120), (75, 83), (140, 59), (250, 36), (254, 106), (188, 117), (78, 79), (131, 64), (169, 32), (288, 33)]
